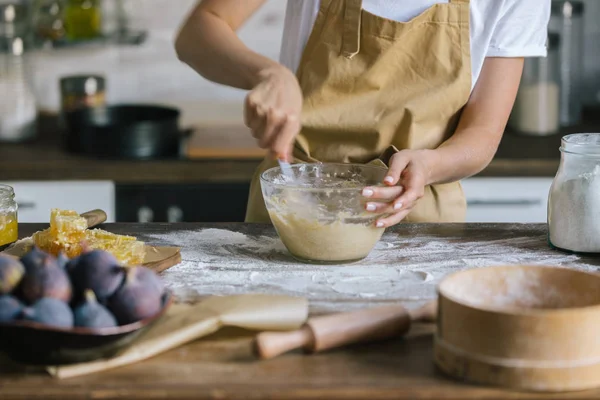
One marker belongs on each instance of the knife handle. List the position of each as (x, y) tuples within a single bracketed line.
[(94, 217)]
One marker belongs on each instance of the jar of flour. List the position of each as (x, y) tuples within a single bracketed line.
[(574, 200)]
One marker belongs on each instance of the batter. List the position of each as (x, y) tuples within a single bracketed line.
[(319, 241)]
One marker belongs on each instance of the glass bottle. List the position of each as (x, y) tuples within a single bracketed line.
[(18, 107), (9, 227), (536, 108), (574, 199), (83, 19), (567, 20), (48, 21)]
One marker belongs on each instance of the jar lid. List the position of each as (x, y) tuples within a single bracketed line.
[(567, 8), (585, 144)]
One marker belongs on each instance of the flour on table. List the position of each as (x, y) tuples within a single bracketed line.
[(403, 268)]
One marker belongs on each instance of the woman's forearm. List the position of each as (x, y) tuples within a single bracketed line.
[(207, 42), (481, 125)]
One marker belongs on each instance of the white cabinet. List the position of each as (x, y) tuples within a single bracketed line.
[(37, 198), (515, 199)]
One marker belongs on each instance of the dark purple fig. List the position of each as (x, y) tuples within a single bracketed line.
[(11, 273), (45, 280), (96, 270), (10, 308), (62, 260), (149, 277), (91, 314), (50, 311), (34, 258), (138, 298)]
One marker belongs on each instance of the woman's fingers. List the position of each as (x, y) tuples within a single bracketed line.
[(398, 163), (392, 219), (284, 139), (378, 193), (414, 185)]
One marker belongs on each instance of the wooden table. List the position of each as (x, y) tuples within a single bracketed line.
[(222, 367)]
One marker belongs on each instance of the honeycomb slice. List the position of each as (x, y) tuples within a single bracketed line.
[(67, 226), (48, 243), (68, 233), (126, 249)]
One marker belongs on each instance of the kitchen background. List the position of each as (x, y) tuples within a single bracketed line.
[(209, 180)]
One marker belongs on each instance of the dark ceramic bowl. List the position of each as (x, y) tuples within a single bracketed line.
[(33, 343)]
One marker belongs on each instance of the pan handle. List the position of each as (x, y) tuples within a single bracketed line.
[(187, 132)]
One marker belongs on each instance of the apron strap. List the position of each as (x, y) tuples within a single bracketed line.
[(351, 35)]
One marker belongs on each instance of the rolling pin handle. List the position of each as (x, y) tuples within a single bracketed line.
[(367, 325), (271, 344)]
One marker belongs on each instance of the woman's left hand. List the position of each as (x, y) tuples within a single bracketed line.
[(406, 180)]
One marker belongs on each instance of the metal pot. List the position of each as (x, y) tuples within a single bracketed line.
[(124, 131)]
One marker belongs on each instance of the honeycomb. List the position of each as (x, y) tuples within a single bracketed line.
[(67, 226), (127, 249), (68, 233)]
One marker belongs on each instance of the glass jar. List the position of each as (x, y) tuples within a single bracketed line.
[(82, 91), (574, 199), (567, 20), (9, 230), (536, 108)]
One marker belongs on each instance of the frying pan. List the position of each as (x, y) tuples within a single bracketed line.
[(124, 131)]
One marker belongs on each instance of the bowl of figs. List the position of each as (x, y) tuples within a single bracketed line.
[(55, 310)]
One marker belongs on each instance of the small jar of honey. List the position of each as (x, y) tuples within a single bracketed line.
[(9, 231)]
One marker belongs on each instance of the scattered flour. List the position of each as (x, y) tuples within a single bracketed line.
[(404, 267)]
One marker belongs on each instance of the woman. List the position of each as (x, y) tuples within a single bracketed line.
[(424, 87)]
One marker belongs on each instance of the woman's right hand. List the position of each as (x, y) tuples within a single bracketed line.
[(272, 111)]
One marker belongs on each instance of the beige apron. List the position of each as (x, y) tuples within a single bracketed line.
[(372, 86)]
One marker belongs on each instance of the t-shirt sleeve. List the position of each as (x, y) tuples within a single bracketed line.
[(521, 30)]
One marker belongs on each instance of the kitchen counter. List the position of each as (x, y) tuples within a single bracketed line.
[(235, 258), (215, 159)]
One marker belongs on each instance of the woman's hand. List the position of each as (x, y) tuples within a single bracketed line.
[(406, 180), (272, 111)]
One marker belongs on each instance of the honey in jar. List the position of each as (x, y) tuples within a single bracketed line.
[(9, 231)]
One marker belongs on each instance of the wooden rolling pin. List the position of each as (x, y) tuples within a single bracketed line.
[(336, 330)]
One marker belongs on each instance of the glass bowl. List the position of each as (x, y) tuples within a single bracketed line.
[(319, 214)]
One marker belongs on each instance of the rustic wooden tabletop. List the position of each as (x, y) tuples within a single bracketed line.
[(235, 258)]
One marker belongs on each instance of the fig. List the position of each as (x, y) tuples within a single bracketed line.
[(11, 273), (50, 311), (138, 298), (10, 308), (91, 314), (98, 271), (62, 260), (34, 258), (151, 278), (45, 279)]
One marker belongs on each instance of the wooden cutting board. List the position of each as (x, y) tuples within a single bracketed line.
[(158, 258), (232, 141)]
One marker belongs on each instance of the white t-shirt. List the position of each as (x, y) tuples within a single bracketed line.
[(499, 28)]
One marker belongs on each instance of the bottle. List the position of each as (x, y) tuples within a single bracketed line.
[(536, 108), (83, 19), (567, 20), (18, 108)]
